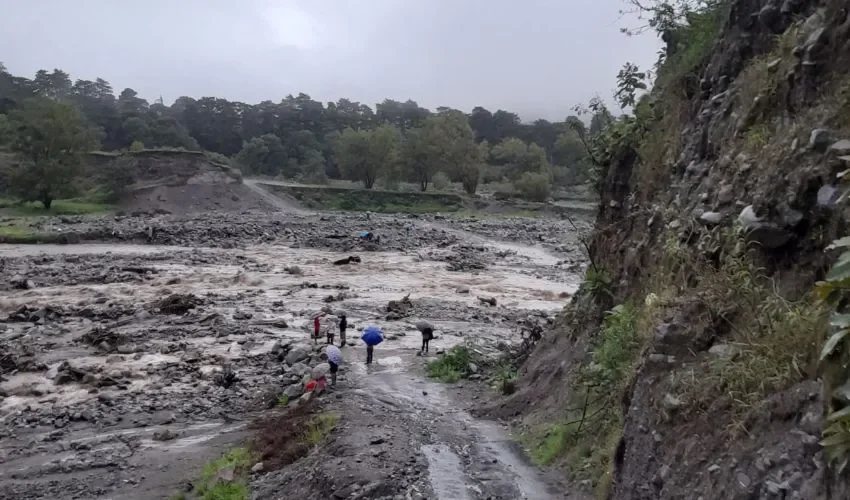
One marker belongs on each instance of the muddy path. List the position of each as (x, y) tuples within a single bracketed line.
[(112, 359)]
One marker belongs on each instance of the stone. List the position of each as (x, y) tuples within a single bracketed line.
[(714, 468), (463, 290), (297, 354), (766, 234), (242, 315), (711, 218), (724, 351), (300, 369), (671, 402), (473, 368), (841, 147), (828, 196), (294, 391), (819, 139), (376, 441), (744, 480), (258, 467)]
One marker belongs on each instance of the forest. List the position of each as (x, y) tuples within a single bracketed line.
[(296, 138)]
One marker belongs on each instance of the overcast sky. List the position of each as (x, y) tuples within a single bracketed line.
[(533, 57)]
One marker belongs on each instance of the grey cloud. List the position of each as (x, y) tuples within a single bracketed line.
[(536, 57)]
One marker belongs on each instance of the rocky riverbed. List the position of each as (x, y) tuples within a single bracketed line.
[(126, 366)]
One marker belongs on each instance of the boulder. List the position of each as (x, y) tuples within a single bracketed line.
[(294, 391), (297, 354)]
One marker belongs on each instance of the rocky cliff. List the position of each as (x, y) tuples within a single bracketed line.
[(687, 364)]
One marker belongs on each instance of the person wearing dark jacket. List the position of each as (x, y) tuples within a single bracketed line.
[(427, 330), (343, 324)]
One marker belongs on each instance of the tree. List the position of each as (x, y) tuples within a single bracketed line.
[(518, 158), (262, 155), (50, 140), (364, 154)]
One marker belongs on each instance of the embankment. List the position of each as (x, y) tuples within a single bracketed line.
[(687, 364)]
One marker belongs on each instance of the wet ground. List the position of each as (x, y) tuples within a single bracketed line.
[(113, 356)]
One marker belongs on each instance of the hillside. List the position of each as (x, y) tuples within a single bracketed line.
[(687, 364)]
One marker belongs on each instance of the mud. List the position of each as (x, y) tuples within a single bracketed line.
[(126, 366)]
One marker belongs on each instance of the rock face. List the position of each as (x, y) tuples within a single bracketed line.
[(739, 203)]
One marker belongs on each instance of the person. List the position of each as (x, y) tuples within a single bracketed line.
[(330, 334), (343, 324), (427, 330), (334, 360), (370, 350), (372, 336), (317, 327)]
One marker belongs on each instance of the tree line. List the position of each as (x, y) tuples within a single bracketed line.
[(304, 139)]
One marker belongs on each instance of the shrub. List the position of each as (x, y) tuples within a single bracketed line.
[(534, 186), (440, 181), (451, 366), (137, 146)]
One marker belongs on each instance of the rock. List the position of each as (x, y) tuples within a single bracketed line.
[(258, 467), (320, 370), (376, 441), (770, 17), (828, 196), (299, 353), (300, 369), (767, 234), (819, 140), (671, 402), (463, 290), (841, 147), (295, 270), (225, 475), (473, 368), (294, 391), (242, 315), (21, 283), (724, 351), (744, 480), (711, 218), (164, 435), (714, 468)]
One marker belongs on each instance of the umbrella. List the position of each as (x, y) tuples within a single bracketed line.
[(372, 335), (334, 354), (421, 325)]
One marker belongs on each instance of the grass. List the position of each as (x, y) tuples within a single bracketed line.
[(240, 461), (374, 200), (319, 428), (505, 376), (23, 234), (777, 341), (283, 400), (451, 366), (59, 207)]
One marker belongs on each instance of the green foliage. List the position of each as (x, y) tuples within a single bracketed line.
[(757, 137), (534, 186), (319, 428), (451, 366), (363, 155), (137, 146), (597, 283), (283, 400), (617, 345), (517, 158), (630, 80), (240, 461), (835, 355), (441, 181), (50, 140), (505, 376)]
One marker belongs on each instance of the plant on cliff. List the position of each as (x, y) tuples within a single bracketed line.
[(835, 356), (50, 140)]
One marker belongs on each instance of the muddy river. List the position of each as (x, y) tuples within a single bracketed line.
[(107, 393)]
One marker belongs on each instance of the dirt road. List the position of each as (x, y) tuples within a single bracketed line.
[(113, 355)]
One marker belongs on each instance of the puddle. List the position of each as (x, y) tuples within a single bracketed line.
[(445, 473)]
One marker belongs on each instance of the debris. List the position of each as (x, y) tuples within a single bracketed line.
[(226, 377), (397, 309), (178, 303), (490, 301), (348, 260)]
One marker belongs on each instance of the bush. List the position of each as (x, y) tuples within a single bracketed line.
[(534, 186), (137, 146), (452, 366), (440, 181)]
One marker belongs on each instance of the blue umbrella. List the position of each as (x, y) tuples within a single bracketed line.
[(372, 335)]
